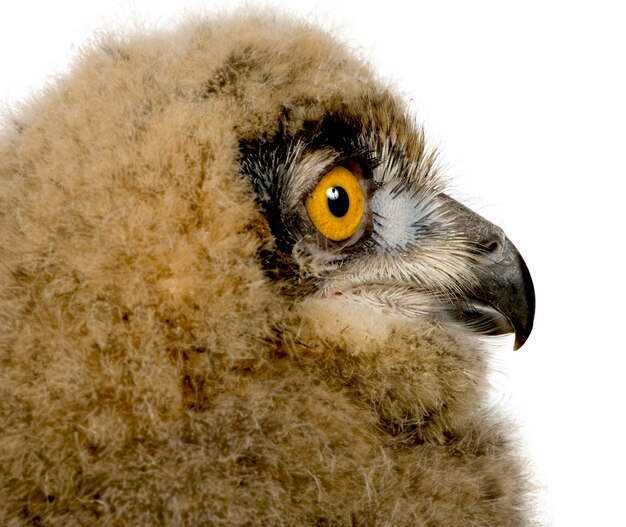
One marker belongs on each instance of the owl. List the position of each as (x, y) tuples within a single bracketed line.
[(234, 291)]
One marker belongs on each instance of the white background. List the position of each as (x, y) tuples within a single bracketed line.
[(526, 102)]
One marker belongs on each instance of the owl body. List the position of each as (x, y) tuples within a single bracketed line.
[(181, 346)]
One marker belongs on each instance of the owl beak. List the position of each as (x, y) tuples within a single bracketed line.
[(505, 297), (503, 301)]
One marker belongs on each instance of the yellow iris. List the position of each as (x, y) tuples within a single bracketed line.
[(336, 204)]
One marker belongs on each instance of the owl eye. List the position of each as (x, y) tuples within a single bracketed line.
[(336, 204)]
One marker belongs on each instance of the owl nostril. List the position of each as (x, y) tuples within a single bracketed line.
[(493, 247)]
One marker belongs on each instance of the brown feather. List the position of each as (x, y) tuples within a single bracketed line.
[(151, 372)]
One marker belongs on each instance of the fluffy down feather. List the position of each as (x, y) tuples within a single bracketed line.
[(152, 373)]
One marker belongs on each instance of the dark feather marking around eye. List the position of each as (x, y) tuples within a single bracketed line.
[(267, 165), (269, 161), (344, 137)]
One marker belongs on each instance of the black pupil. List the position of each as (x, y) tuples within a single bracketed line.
[(338, 201)]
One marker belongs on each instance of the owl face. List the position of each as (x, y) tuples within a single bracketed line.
[(358, 212)]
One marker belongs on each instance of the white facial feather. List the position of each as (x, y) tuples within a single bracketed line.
[(396, 218)]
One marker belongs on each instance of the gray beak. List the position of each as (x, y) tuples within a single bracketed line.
[(504, 299)]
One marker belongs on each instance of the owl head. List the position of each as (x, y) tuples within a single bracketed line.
[(234, 291)]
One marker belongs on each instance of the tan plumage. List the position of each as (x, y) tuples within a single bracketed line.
[(179, 347)]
